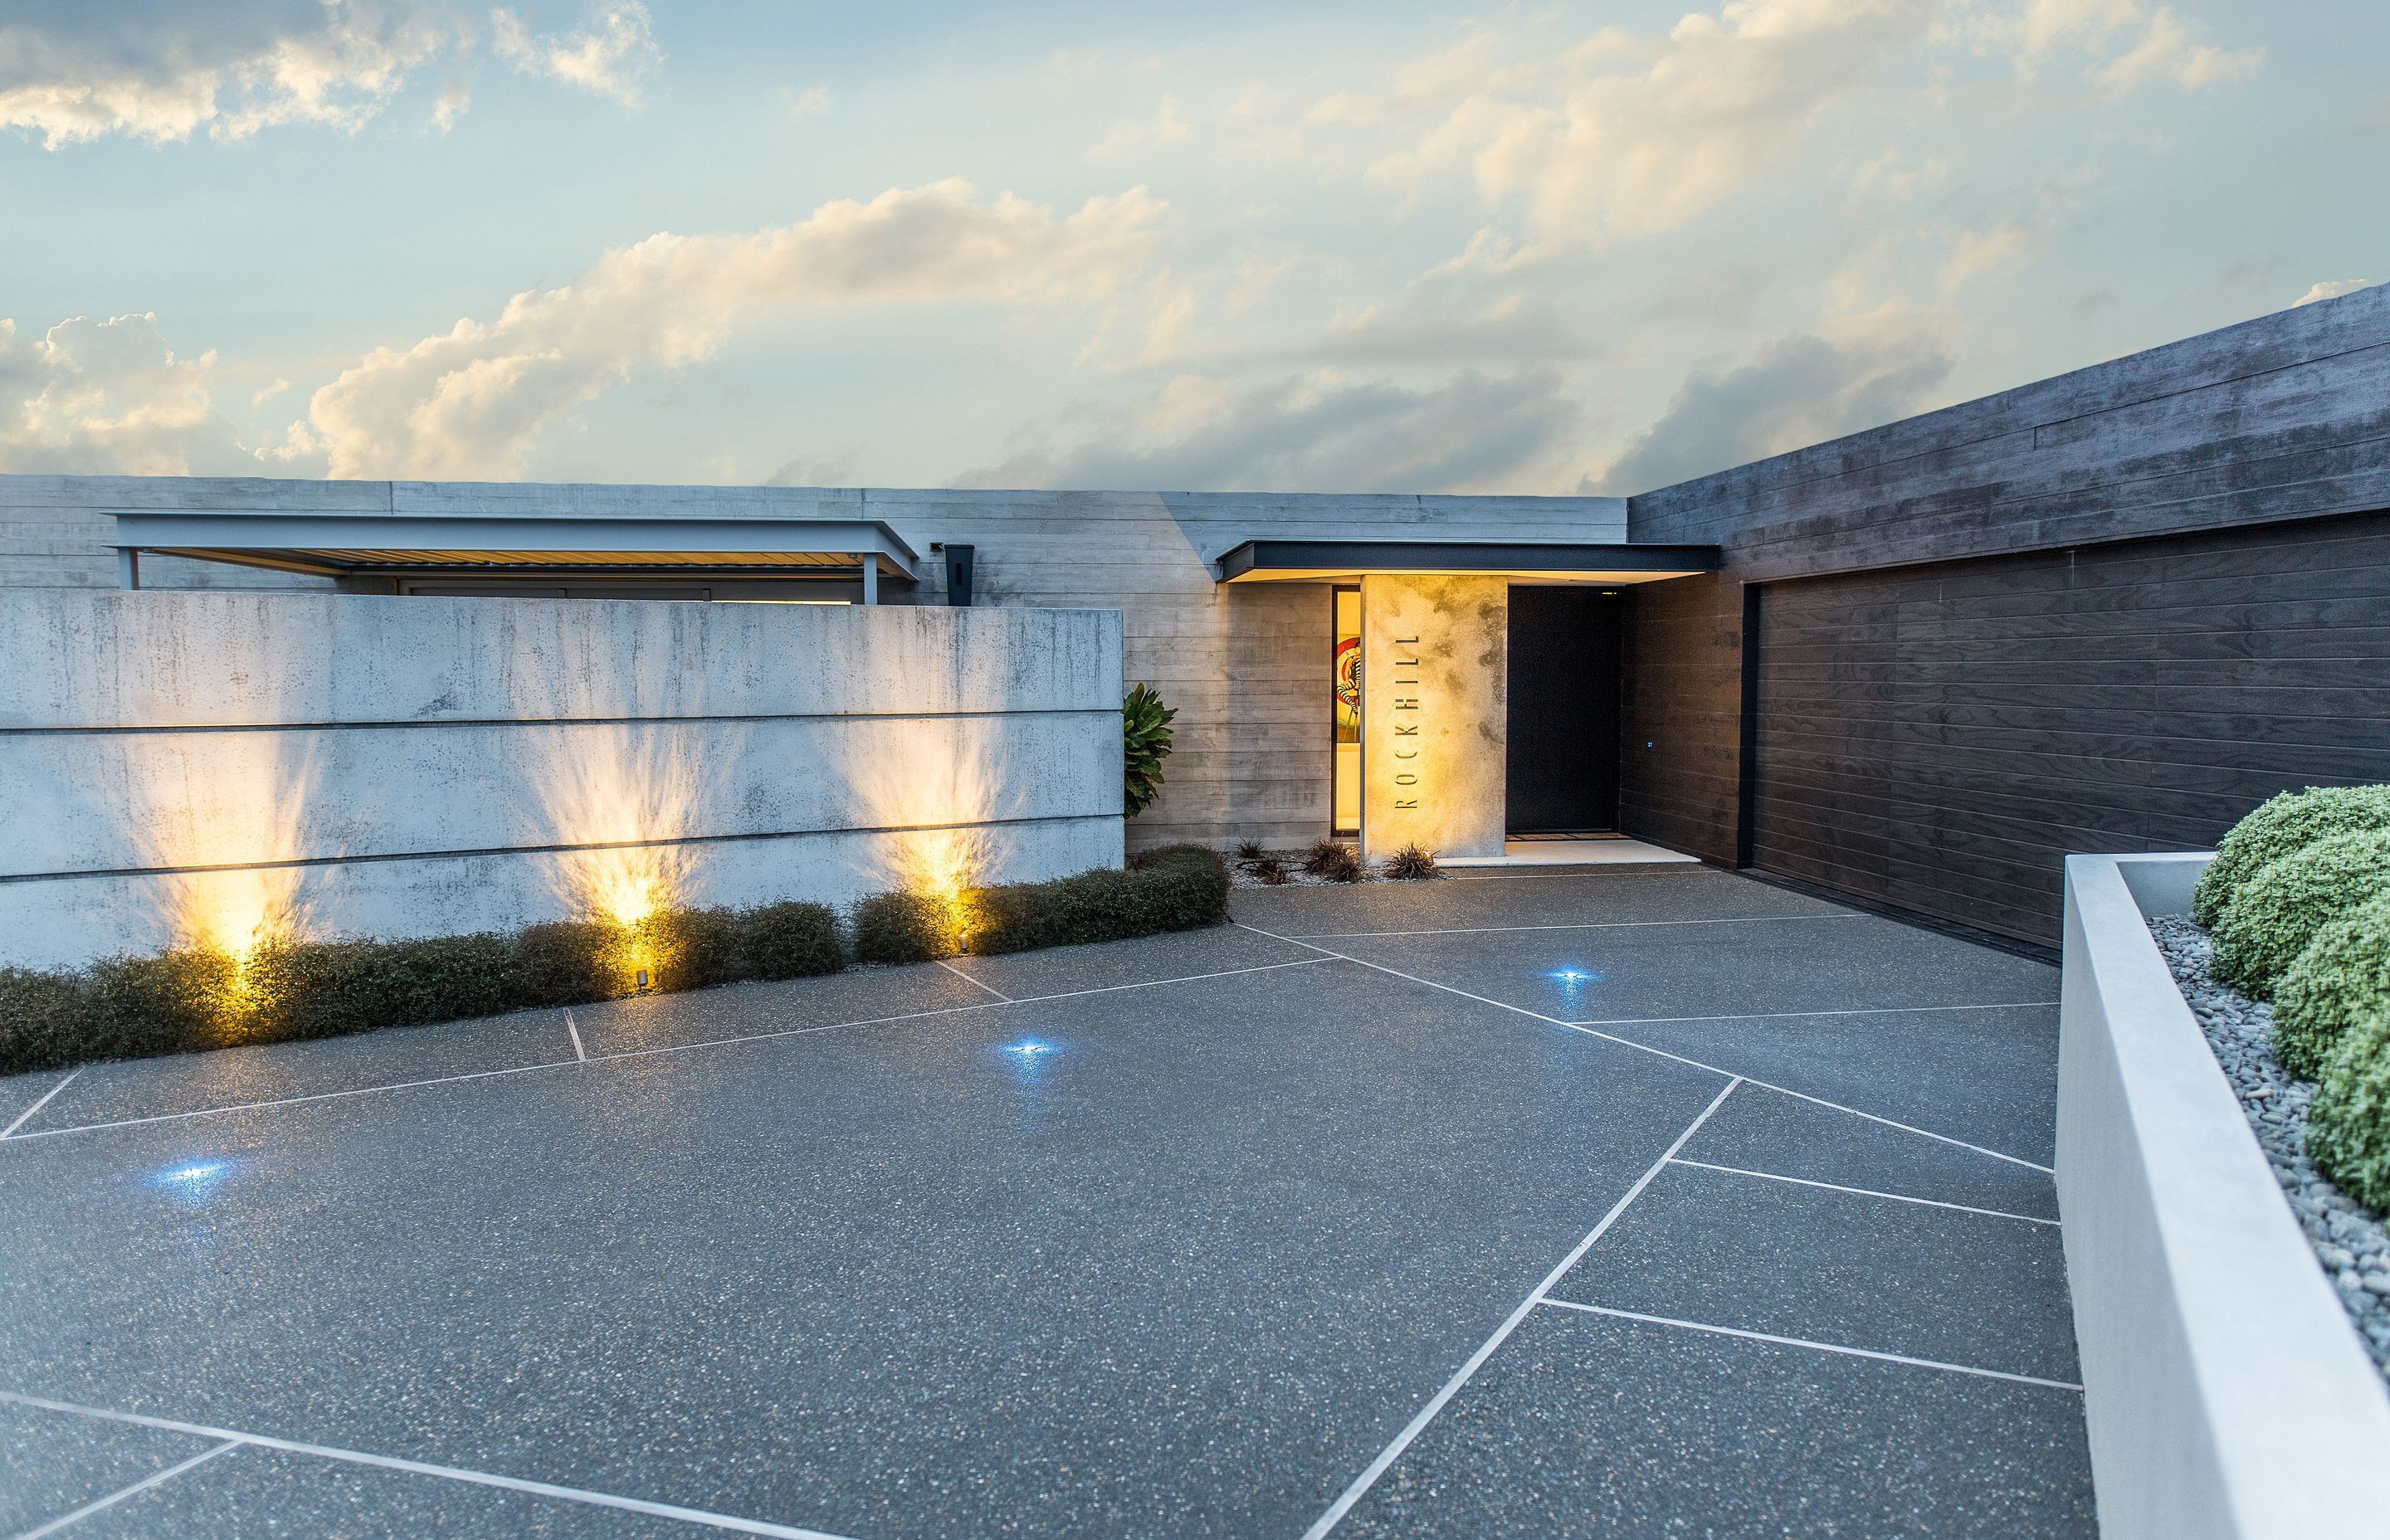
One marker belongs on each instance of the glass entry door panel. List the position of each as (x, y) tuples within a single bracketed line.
[(1348, 711)]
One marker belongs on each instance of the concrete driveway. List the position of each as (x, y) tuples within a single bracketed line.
[(1652, 1202)]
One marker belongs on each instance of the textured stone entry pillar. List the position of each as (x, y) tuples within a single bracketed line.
[(1436, 671)]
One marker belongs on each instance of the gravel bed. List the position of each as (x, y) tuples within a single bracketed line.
[(1297, 878), (2348, 1239)]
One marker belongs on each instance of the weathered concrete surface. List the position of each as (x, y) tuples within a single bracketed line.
[(1435, 692), (2227, 1397), (1249, 666), (182, 766)]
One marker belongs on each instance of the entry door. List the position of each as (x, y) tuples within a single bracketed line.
[(1563, 710)]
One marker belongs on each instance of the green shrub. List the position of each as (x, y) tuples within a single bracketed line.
[(791, 941), (2343, 976), (2349, 1122), (563, 963), (693, 948), (1174, 888), (2274, 915), (330, 989), (2281, 826), (168, 1002), (45, 1020), (904, 927)]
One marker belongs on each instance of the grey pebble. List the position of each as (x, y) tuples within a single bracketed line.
[(2349, 1240)]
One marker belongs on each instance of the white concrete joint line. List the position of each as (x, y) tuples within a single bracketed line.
[(26, 1116), (1418, 1425), (636, 1053), (979, 982), (1864, 1192), (460, 1474), (1817, 1347), (1662, 1053), (156, 1478)]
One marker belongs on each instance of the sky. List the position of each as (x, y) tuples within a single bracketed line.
[(1594, 248)]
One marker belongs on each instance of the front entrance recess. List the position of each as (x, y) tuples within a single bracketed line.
[(1563, 710)]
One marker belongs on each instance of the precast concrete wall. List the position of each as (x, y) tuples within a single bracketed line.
[(192, 767)]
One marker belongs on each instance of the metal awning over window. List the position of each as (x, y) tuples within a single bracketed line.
[(1539, 561)]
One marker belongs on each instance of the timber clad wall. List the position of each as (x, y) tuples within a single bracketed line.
[(1677, 712), (1938, 739), (2153, 627)]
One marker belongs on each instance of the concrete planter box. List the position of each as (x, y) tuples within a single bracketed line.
[(2226, 1392)]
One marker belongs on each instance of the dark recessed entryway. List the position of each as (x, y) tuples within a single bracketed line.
[(1563, 710)]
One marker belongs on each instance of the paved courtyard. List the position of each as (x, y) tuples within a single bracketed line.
[(1656, 1202)]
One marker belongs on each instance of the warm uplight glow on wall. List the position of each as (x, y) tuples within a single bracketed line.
[(205, 808), (623, 794), (932, 783)]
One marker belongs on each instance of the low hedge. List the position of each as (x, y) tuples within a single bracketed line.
[(134, 1007), (1174, 888), (2281, 826), (2342, 977), (2275, 915), (2349, 1122), (174, 1002)]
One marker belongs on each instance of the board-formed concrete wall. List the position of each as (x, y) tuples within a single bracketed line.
[(1249, 666), (179, 766)]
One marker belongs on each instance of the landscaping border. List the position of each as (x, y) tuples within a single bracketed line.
[(2225, 1391)]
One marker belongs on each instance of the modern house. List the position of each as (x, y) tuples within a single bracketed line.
[(1914, 667)]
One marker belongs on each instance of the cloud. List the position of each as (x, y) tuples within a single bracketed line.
[(1632, 135), (468, 403), (72, 70), (2159, 47), (90, 396), (1796, 390), (1484, 304), (1324, 432), (2331, 288), (1135, 136), (2168, 54), (614, 55)]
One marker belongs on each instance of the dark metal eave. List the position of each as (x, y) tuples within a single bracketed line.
[(1492, 558)]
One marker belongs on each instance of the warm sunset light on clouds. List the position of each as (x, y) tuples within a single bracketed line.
[(1588, 247)]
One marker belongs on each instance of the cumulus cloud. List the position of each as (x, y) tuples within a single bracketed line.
[(1323, 432), (91, 396), (1136, 136), (72, 70), (614, 55), (1796, 390), (469, 402), (2142, 46), (2331, 288)]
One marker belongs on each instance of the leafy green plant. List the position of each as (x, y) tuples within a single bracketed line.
[(1334, 860), (1174, 888), (2276, 914), (2342, 978), (1145, 743), (2280, 827), (1411, 864), (791, 941), (2349, 1122), (905, 927)]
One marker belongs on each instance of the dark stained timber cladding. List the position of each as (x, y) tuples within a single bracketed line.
[(1679, 738), (1939, 737)]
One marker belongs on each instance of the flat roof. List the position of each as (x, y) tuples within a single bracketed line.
[(1544, 561), (336, 544)]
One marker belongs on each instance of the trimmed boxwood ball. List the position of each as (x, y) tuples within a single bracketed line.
[(2276, 914), (904, 928), (2342, 977), (2349, 1122), (2278, 828)]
